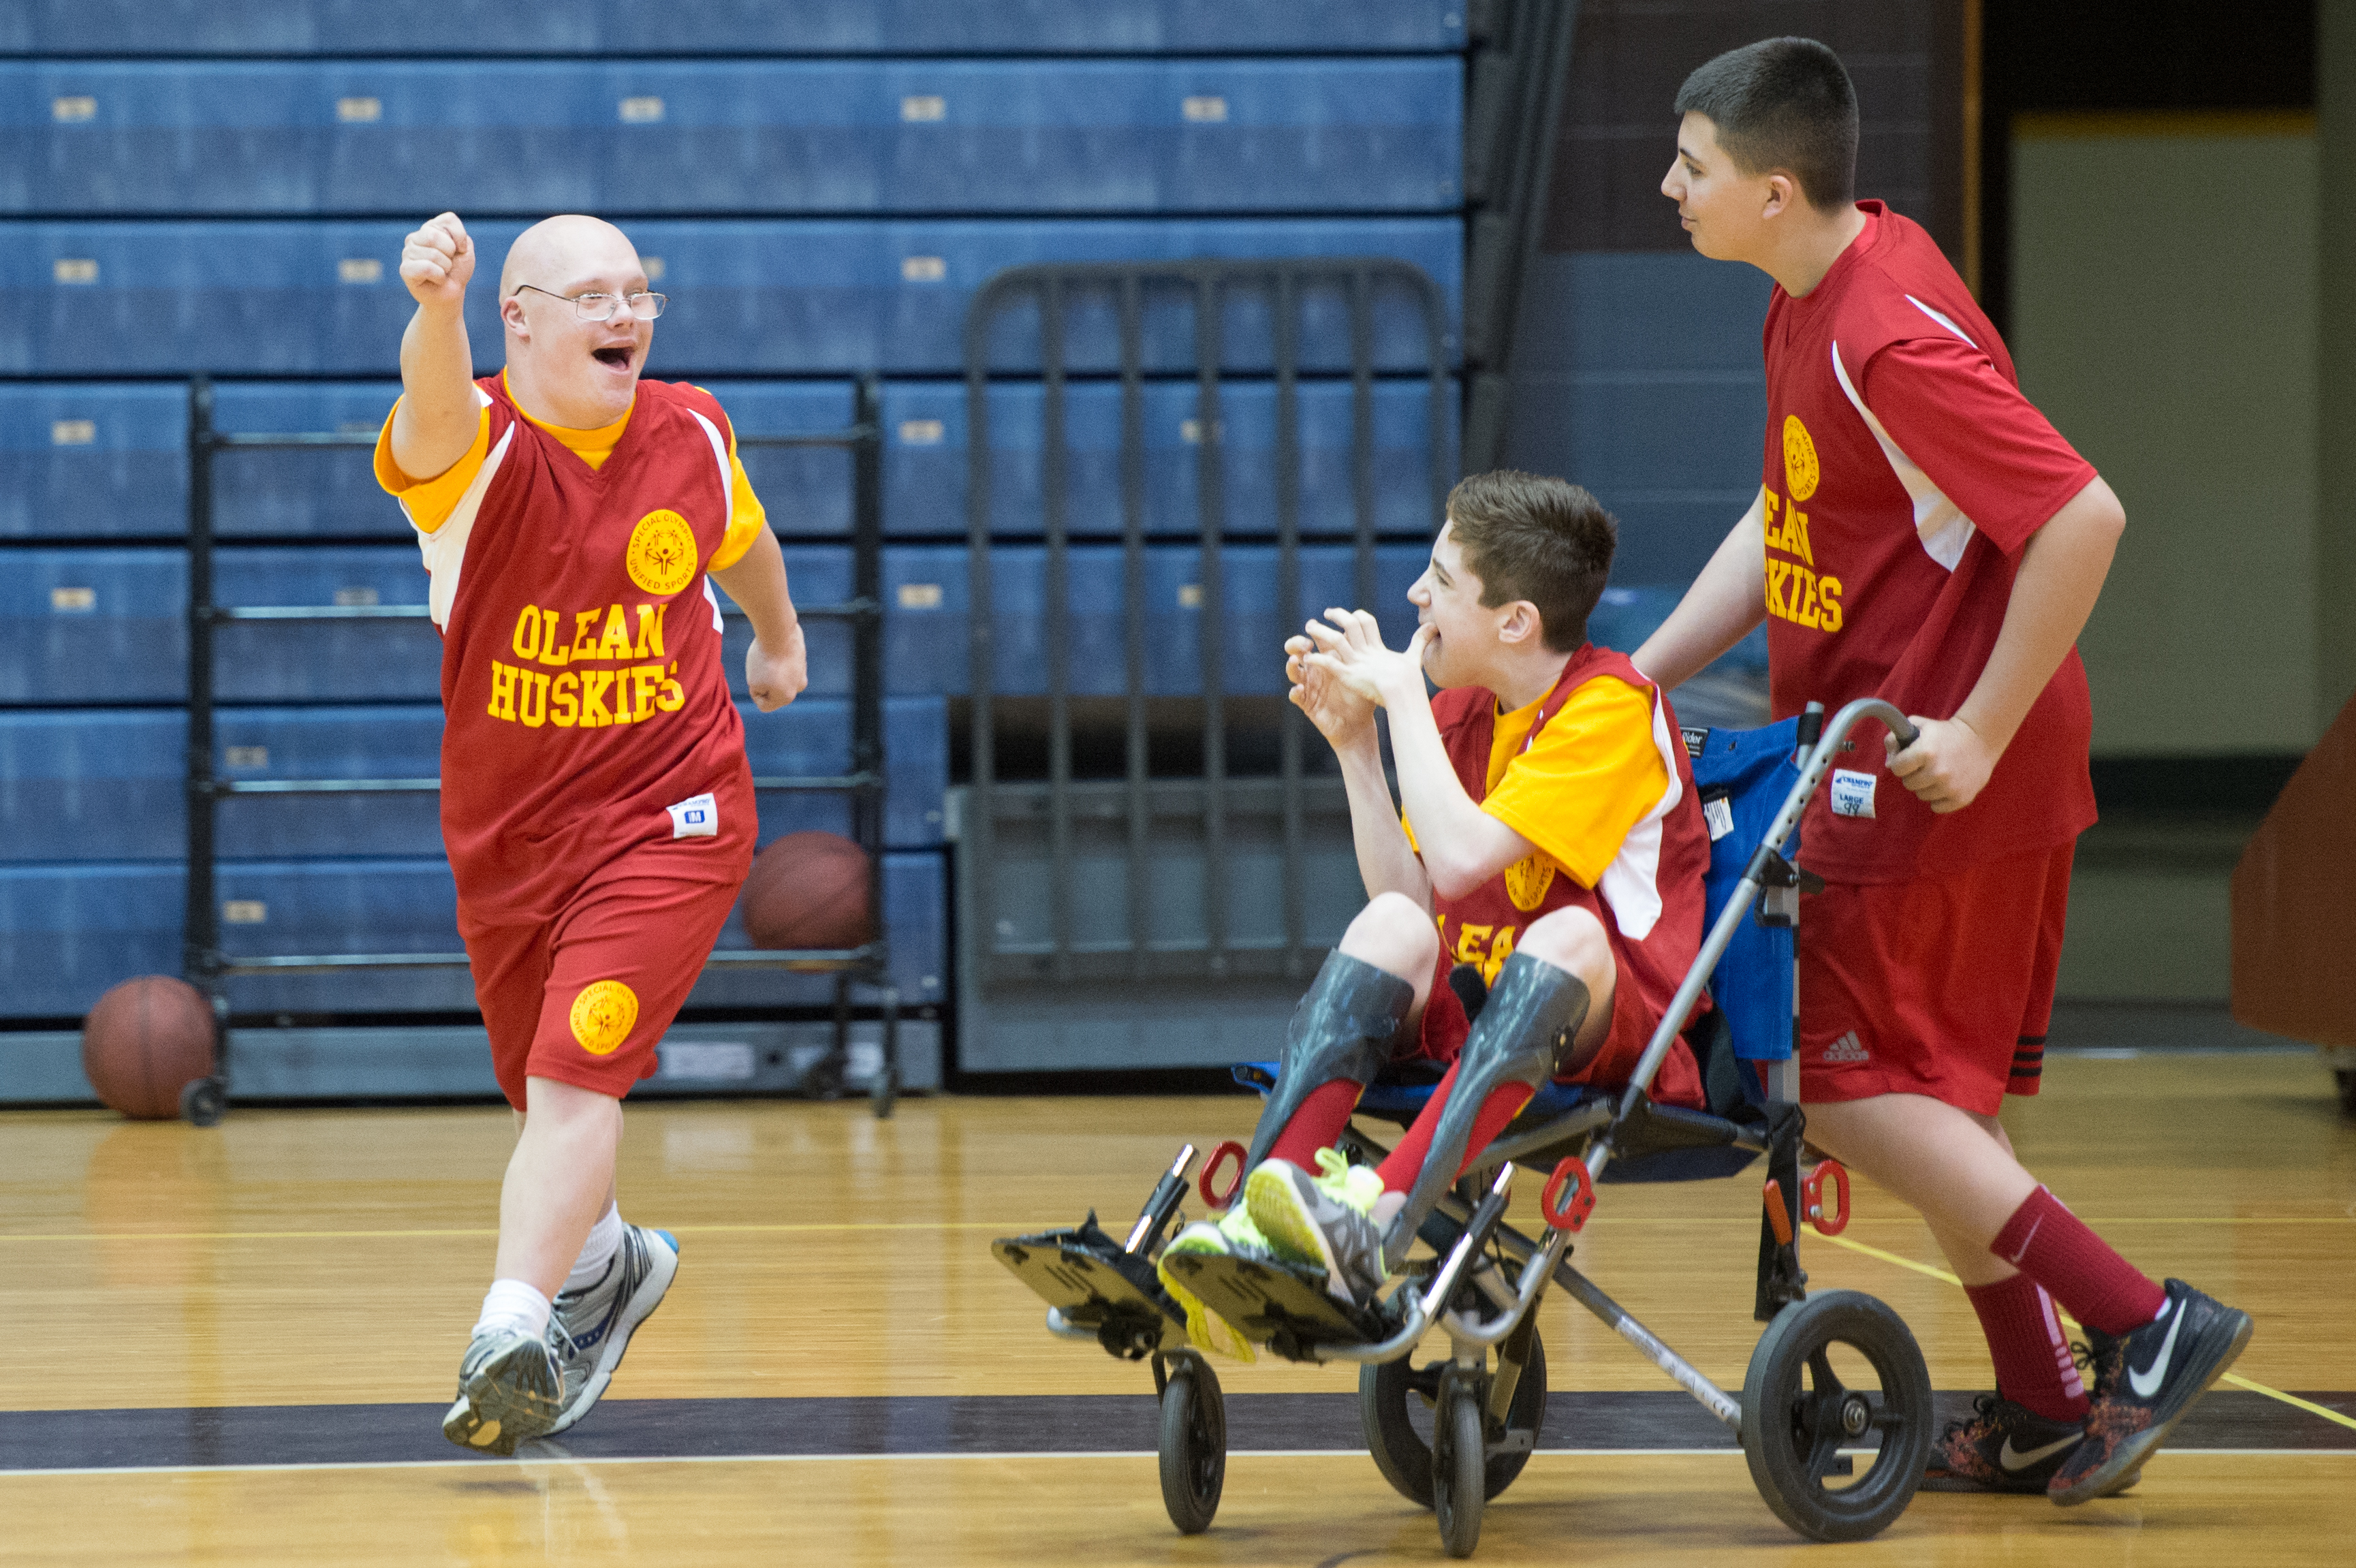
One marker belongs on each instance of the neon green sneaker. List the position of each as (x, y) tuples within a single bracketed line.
[(1235, 1235), (1325, 1222)]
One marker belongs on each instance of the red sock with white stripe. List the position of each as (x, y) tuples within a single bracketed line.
[(2094, 1284), (1405, 1162), (2025, 1341), (1317, 1124)]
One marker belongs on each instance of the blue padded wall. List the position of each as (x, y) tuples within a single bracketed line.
[(93, 625), (80, 785), (68, 932), (925, 464), (706, 27), (748, 137), (750, 297), (296, 492), (93, 461)]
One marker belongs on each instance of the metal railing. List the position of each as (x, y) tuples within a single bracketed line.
[(209, 967), (1139, 797)]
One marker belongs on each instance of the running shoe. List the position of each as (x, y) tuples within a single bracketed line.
[(1233, 1236), (507, 1392), (2142, 1382), (2004, 1447), (591, 1327), (1324, 1221)]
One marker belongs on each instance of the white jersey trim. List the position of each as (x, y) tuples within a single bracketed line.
[(445, 548), (727, 478), (1631, 883), (1940, 525)]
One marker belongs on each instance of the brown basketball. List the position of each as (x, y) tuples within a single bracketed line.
[(808, 890), (144, 1041)]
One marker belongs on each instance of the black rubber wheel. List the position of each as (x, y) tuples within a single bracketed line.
[(1798, 1417), (202, 1101), (1193, 1444), (1459, 1491), (1396, 1402)]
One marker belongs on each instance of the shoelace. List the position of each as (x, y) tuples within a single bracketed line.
[(1983, 1408)]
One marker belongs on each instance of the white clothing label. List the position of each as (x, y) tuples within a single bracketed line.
[(1718, 814), (1852, 793), (697, 817)]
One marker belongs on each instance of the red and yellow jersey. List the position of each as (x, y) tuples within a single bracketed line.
[(581, 686), (1904, 473), (1595, 776)]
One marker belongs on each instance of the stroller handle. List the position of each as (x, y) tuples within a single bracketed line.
[(1818, 762)]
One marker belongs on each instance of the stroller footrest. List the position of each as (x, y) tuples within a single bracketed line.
[(1270, 1303), (1085, 1275)]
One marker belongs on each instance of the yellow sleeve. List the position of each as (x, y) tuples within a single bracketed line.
[(429, 502), (1592, 774), (746, 515)]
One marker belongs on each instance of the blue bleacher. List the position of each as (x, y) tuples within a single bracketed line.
[(249, 139), (712, 27), (925, 461), (68, 932), (103, 625), (329, 493), (927, 596), (93, 461), (80, 785), (749, 297), (323, 661), (805, 489)]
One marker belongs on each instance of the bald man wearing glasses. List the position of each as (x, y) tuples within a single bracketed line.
[(596, 800)]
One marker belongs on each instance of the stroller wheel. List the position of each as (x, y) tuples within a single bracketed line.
[(1398, 1408), (1194, 1442), (1808, 1433), (1459, 1490)]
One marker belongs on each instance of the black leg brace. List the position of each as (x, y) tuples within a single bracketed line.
[(1342, 1028), (1532, 1013)]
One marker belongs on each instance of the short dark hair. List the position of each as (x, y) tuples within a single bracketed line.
[(1782, 103), (1529, 536)]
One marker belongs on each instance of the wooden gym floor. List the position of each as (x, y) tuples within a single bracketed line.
[(233, 1347)]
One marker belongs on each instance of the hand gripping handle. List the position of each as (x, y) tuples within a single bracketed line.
[(1828, 1220), (1212, 1195), (1568, 1210)]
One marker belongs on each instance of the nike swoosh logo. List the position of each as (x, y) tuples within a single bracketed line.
[(2025, 1241), (2014, 1459), (2146, 1382)]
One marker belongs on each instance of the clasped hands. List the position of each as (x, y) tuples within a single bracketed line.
[(1340, 672)]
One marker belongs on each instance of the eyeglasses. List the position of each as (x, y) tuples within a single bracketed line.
[(605, 306)]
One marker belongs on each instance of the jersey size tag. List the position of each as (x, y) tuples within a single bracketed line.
[(697, 817), (1852, 793), (1718, 813)]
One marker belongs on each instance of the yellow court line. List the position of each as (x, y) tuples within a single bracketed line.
[(2234, 1378)]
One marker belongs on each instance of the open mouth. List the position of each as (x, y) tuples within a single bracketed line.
[(616, 359)]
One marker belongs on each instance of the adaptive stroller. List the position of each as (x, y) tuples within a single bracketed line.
[(1803, 1432)]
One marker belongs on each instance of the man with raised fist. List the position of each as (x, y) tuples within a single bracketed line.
[(596, 800)]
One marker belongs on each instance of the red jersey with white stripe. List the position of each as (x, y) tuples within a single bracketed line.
[(585, 707), (1648, 895), (1904, 471)]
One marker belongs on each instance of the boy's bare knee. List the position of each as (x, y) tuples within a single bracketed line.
[(1396, 935), (1572, 940)]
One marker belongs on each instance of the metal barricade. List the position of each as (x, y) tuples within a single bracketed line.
[(209, 967), (1139, 799)]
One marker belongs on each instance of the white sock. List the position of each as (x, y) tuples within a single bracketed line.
[(513, 1304), (598, 1251)]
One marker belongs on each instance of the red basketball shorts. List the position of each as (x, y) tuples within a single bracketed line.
[(584, 998), (1445, 1027), (1942, 986)]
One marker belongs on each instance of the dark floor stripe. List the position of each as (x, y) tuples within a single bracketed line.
[(1008, 1423)]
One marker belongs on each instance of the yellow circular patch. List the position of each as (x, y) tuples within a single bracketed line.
[(1527, 879), (662, 553), (603, 1015), (1800, 471)]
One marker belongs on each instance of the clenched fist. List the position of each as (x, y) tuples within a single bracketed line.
[(437, 260)]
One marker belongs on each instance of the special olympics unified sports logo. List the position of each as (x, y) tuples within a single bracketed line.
[(1527, 879), (603, 1015), (661, 558), (1800, 470)]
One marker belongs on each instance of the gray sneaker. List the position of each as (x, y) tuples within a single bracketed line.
[(1324, 1221), (590, 1329), (507, 1388)]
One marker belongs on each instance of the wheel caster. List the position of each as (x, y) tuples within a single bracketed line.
[(1395, 1400), (202, 1101), (1798, 1417), (1194, 1442), (1458, 1461)]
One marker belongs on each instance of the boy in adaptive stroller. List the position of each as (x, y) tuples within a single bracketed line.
[(1551, 853)]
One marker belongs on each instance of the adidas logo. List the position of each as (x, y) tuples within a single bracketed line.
[(1847, 1048)]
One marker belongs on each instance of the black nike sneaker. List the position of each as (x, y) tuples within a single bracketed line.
[(2143, 1382), (2004, 1447)]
